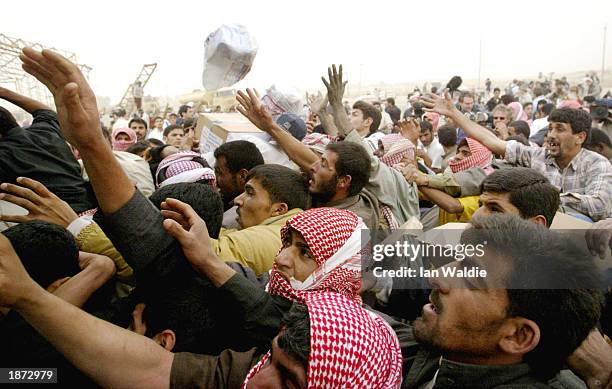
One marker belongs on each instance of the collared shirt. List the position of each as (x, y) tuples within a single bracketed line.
[(585, 184)]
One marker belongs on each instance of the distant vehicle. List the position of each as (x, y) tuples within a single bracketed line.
[(221, 100)]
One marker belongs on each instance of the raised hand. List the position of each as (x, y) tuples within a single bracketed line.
[(40, 203), (410, 129), (251, 107), (317, 102), (442, 105), (335, 86), (76, 105)]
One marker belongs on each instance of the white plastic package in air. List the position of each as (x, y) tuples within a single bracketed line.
[(279, 100), (229, 53)]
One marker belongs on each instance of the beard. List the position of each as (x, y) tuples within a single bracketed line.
[(325, 192)]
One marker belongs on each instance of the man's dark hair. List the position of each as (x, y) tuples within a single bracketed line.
[(170, 128), (204, 200), (496, 89), (552, 281), (465, 94), (190, 123), (120, 112), (519, 138), (7, 120), (182, 110), (48, 252), (369, 112), (391, 100), (507, 99), (284, 185), (138, 120), (578, 119), (598, 137), (173, 114), (547, 109), (154, 142), (447, 135), (426, 126), (138, 147), (295, 336), (521, 127), (353, 160), (239, 154), (529, 190)]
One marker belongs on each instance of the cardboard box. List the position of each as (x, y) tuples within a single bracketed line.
[(218, 128)]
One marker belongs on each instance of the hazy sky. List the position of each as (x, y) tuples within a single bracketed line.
[(390, 41)]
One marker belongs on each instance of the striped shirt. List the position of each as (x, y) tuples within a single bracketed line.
[(585, 184)]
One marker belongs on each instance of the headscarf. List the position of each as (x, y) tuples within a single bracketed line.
[(481, 157), (122, 145), (517, 111), (569, 104), (334, 238), (349, 346), (183, 167), (435, 118), (317, 142), (396, 147)]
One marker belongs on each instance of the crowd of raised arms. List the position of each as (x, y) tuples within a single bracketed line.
[(131, 259)]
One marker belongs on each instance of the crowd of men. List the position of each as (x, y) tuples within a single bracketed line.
[(131, 259)]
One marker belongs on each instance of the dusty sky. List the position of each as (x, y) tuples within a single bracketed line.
[(391, 42)]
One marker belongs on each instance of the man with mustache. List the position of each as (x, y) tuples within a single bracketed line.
[(583, 177)]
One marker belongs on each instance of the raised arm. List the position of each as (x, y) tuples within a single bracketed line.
[(318, 105), (444, 106), (27, 104), (79, 120), (335, 92), (112, 356), (251, 108)]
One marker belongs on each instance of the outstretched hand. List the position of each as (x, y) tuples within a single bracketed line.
[(251, 107), (184, 224), (442, 105), (39, 201), (76, 105), (317, 102), (335, 86)]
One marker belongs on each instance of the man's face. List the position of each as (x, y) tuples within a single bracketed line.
[(561, 141), (358, 122), (378, 107), (529, 110), (494, 203), (254, 204), (189, 114), (467, 104), (230, 184), (295, 260), (499, 116), (464, 316), (463, 152), (139, 129), (159, 123), (280, 371), (496, 93), (122, 137), (426, 137), (175, 137), (323, 176)]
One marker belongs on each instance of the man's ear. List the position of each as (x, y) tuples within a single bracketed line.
[(344, 182), (279, 209), (166, 339), (368, 122), (581, 137), (241, 177), (519, 336), (539, 219)]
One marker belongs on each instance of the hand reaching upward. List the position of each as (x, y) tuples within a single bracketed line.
[(251, 107)]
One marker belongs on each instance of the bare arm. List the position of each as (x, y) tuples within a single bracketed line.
[(442, 200), (444, 106), (79, 120), (112, 356), (252, 109), (27, 104)]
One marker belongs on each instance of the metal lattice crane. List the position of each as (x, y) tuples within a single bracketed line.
[(11, 72), (127, 101)]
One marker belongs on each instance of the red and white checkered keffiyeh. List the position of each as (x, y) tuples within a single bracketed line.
[(481, 157), (181, 167), (396, 147), (334, 238), (349, 346), (318, 142)]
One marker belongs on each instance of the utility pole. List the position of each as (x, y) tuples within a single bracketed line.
[(479, 60), (603, 56)]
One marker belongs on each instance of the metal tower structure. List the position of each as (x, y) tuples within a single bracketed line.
[(127, 101), (11, 72)]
